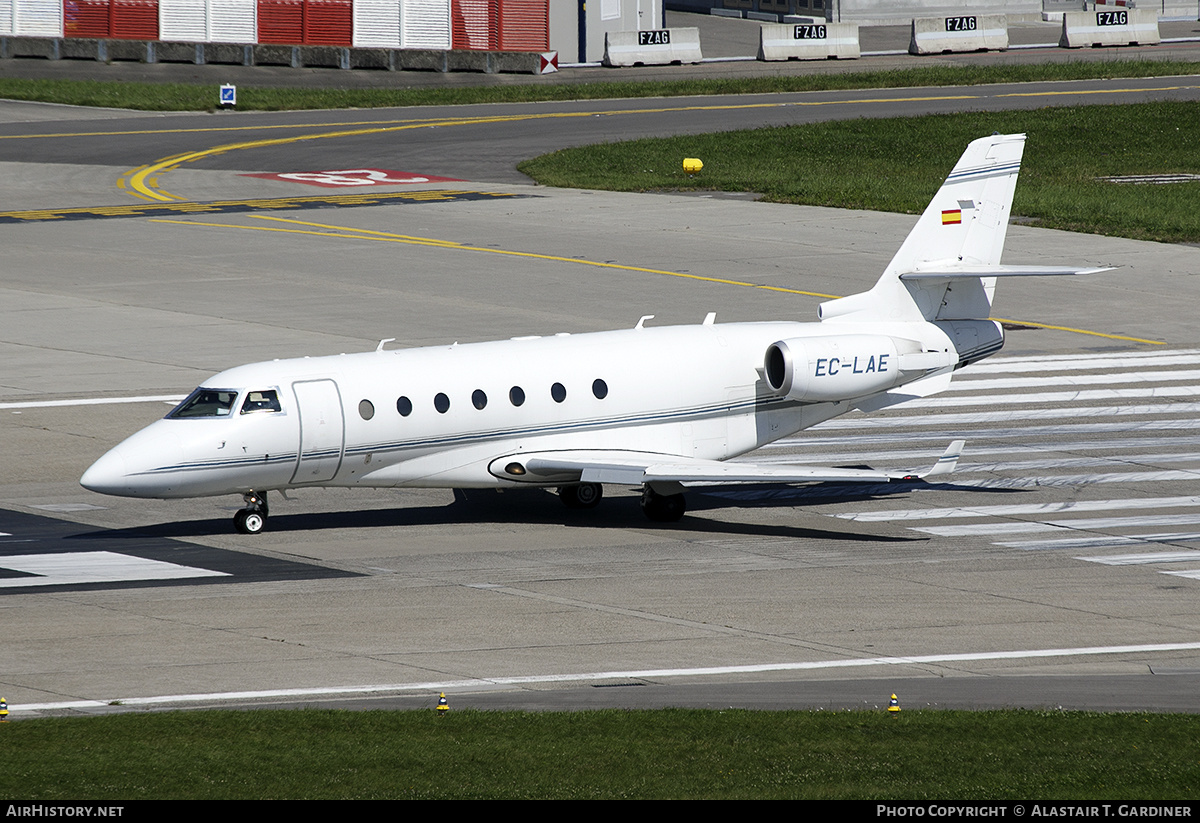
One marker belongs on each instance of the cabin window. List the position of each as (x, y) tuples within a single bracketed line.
[(404, 406), (559, 392), (517, 395), (600, 389), (441, 402), (206, 403), (261, 401), (366, 409), (478, 399)]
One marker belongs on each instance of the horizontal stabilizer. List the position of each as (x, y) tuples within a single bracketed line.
[(1000, 271)]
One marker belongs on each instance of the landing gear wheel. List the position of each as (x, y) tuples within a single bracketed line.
[(253, 518), (248, 521), (583, 496), (662, 508)]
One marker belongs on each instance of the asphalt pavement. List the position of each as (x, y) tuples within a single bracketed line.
[(1054, 570)]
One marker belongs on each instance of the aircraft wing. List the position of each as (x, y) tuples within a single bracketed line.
[(636, 468)]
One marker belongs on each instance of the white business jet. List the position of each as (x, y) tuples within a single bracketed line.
[(652, 407)]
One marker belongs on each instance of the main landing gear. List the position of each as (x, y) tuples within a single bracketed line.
[(662, 508), (253, 518), (583, 496), (659, 507)]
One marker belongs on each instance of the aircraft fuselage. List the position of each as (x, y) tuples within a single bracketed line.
[(442, 416)]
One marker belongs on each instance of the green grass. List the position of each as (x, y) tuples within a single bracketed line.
[(606, 754), (202, 97), (897, 165)]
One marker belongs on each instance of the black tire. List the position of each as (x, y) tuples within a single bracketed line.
[(663, 508), (583, 496), (249, 521)]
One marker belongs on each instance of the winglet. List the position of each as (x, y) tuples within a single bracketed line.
[(947, 462)]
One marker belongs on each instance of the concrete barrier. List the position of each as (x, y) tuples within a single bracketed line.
[(74, 48), (165, 52), (465, 60), (515, 62), (652, 47), (420, 60), (134, 51), (808, 41), (226, 53), (263, 54), (962, 32), (371, 58), (323, 57), (273, 54), (1118, 27)]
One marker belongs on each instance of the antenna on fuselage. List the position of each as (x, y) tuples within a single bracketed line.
[(383, 342), (641, 323)]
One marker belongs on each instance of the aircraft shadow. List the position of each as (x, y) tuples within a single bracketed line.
[(770, 496), (535, 507)]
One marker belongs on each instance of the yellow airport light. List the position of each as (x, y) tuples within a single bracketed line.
[(691, 165)]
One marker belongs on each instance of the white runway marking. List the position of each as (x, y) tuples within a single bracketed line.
[(1120, 378), (73, 568), (1007, 416), (1133, 436), (1025, 433), (1103, 541), (1023, 508), (1080, 462), (1082, 396), (1184, 556), (93, 401), (973, 450), (1127, 360), (491, 683), (1080, 479), (1082, 523), (68, 507)]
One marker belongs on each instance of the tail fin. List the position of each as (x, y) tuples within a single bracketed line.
[(967, 220), (945, 270)]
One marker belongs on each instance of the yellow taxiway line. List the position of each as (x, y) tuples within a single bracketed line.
[(143, 182), (352, 233)]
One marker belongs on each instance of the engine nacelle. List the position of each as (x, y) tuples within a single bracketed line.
[(842, 367)]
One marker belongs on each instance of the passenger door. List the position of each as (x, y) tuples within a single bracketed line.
[(322, 431)]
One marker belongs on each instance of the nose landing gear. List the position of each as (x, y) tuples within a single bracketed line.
[(253, 518)]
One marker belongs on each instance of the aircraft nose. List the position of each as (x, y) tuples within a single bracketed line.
[(107, 475), (134, 467)]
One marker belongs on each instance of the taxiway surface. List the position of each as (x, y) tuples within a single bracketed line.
[(1064, 551)]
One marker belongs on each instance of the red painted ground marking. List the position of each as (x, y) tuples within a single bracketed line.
[(355, 177)]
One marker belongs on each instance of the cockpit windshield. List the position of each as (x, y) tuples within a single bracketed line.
[(206, 403)]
